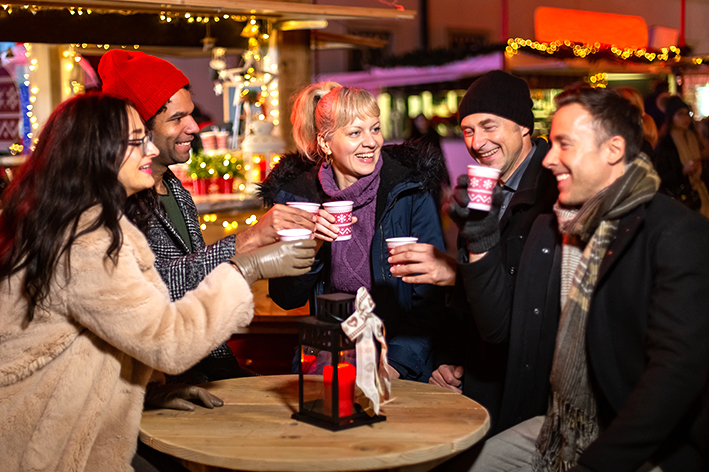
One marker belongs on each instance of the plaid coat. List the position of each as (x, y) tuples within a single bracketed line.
[(182, 270)]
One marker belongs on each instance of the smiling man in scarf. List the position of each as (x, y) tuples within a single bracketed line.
[(631, 359)]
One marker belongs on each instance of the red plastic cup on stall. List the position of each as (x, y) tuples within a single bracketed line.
[(209, 141)]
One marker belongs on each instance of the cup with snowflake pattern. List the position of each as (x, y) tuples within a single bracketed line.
[(481, 182), (342, 211)]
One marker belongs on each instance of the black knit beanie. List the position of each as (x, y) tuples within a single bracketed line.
[(501, 94)]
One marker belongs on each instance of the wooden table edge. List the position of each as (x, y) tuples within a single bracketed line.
[(198, 461)]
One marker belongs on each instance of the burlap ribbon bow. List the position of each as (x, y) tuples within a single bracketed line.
[(362, 328)]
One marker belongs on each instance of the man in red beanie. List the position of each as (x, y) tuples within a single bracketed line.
[(161, 95)]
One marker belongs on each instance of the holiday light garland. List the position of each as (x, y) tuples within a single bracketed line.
[(566, 49), (165, 16), (211, 219)]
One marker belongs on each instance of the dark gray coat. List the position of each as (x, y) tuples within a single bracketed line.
[(647, 335)]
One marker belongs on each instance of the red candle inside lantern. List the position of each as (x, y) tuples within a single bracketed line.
[(346, 374), (307, 361)]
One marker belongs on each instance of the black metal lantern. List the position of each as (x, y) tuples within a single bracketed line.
[(328, 400)]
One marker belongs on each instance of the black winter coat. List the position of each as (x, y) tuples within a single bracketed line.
[(491, 376), (647, 335)]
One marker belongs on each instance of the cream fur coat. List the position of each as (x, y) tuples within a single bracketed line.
[(72, 381)]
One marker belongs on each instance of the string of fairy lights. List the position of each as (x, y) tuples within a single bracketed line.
[(566, 49), (165, 16), (33, 90), (230, 225), (69, 57), (569, 48)]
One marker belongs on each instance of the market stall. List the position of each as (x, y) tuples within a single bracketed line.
[(256, 52)]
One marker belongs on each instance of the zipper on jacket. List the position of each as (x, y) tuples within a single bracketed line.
[(381, 231)]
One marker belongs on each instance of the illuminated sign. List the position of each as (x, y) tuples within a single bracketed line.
[(588, 27)]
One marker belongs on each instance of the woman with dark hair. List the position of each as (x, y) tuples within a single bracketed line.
[(84, 315), (342, 157), (678, 158)]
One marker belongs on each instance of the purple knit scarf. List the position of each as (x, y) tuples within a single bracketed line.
[(350, 259)]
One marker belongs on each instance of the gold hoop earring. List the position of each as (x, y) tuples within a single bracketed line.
[(326, 155)]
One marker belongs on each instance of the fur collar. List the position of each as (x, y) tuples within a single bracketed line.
[(415, 161)]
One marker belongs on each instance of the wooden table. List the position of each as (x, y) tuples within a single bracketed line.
[(253, 431)]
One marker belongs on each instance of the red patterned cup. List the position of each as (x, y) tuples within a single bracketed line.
[(342, 211), (481, 182)]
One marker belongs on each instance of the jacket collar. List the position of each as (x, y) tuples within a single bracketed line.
[(532, 184), (392, 173), (188, 210)]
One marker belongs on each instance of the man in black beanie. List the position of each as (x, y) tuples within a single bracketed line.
[(506, 377)]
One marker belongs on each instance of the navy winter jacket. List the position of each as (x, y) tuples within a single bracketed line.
[(411, 178)]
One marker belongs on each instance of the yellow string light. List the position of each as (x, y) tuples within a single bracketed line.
[(599, 80), (514, 45), (228, 225)]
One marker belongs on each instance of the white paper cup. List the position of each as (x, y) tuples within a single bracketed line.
[(342, 211), (394, 242), (307, 206), (294, 234), (481, 182)]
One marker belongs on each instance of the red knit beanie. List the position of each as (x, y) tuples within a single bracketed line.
[(145, 80)]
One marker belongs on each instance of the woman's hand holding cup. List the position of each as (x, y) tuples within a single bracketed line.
[(325, 228)]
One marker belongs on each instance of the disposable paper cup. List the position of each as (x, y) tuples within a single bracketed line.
[(307, 206), (294, 234), (481, 182), (394, 242), (342, 211), (209, 141)]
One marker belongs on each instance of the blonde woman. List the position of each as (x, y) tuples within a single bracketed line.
[(342, 157)]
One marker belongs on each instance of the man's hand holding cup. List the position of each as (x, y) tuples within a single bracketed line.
[(479, 228)]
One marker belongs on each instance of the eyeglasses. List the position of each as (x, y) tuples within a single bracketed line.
[(143, 142)]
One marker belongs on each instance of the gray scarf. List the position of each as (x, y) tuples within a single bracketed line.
[(571, 422)]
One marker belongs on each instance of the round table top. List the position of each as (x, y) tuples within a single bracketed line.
[(254, 430)]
